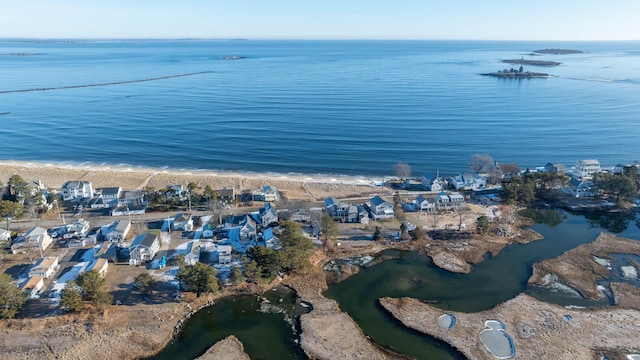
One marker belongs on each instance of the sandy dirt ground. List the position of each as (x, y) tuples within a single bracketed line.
[(299, 187), (538, 330), (229, 348)]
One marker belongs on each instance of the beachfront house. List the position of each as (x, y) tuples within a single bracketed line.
[(431, 182), (32, 286), (381, 209), (106, 198), (116, 231), (36, 237), (559, 169), (336, 209), (76, 190), (143, 248), (267, 194), (508, 170), (453, 201), (130, 202), (423, 204), (586, 169), (468, 182), (225, 196), (178, 192), (44, 267)]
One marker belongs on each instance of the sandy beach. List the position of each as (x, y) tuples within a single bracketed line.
[(291, 186)]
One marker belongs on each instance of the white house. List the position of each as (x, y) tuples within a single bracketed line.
[(36, 237), (100, 266), (381, 209), (453, 201), (183, 222), (585, 169), (268, 215), (468, 182), (580, 188), (107, 198), (76, 190), (424, 205), (44, 267), (431, 182), (33, 285), (77, 229), (224, 254), (116, 231), (143, 249)]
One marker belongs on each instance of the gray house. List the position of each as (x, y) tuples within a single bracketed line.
[(143, 249), (381, 209)]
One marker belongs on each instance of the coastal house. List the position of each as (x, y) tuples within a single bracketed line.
[(431, 182), (241, 228), (224, 254), (225, 196), (299, 215), (586, 169), (267, 194), (77, 229), (381, 209), (268, 215), (33, 286), (423, 204), (5, 234), (177, 191), (208, 231), (270, 240), (130, 202), (44, 267), (559, 169), (468, 182), (363, 215), (100, 266), (76, 190), (106, 198), (580, 188), (453, 201), (143, 248), (336, 209), (116, 231), (508, 170), (183, 222), (36, 237)]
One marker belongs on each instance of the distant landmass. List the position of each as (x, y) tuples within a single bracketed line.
[(531, 62), (558, 51), (517, 74)]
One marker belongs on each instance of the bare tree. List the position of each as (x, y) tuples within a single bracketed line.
[(402, 170), (481, 163)]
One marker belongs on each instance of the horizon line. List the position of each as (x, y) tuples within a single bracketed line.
[(189, 38)]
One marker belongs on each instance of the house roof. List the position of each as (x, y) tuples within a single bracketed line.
[(421, 199), (32, 283), (224, 192), (99, 264), (75, 184), (377, 200), (330, 201), (588, 162), (45, 263), (35, 232), (111, 191), (123, 225), (146, 239), (268, 234), (182, 217), (269, 189)]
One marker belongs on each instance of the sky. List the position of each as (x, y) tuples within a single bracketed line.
[(323, 19)]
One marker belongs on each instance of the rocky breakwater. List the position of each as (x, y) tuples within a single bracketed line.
[(327, 332), (538, 330)]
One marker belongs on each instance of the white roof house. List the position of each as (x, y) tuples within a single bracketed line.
[(36, 237), (44, 267), (585, 169), (76, 190)]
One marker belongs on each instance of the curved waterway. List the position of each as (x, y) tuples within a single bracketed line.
[(492, 282), (497, 279), (265, 324)]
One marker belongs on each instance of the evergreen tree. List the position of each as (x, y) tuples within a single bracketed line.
[(145, 283), (11, 297), (70, 297)]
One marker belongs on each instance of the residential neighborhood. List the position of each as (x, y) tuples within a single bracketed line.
[(108, 229)]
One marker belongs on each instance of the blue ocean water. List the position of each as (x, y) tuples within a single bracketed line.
[(328, 107)]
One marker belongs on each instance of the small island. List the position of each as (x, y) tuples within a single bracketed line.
[(523, 61), (233, 57), (558, 51), (517, 74)]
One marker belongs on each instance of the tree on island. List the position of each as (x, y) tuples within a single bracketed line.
[(481, 163), (402, 170)]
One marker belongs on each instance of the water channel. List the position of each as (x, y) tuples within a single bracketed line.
[(409, 274)]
